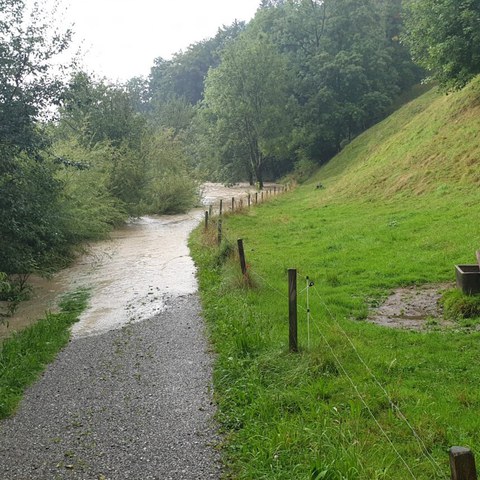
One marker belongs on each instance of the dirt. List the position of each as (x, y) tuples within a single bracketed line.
[(412, 308)]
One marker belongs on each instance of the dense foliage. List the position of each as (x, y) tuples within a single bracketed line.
[(77, 154), (444, 37), (29, 220), (333, 69)]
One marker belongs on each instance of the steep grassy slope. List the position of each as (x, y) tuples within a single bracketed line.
[(430, 145), (399, 207)]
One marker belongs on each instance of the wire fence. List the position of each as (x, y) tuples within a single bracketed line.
[(312, 310)]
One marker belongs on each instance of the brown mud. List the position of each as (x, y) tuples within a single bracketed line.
[(412, 308)]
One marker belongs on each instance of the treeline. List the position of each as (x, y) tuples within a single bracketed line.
[(288, 90), (281, 94)]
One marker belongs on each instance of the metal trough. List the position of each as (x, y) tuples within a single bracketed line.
[(468, 278)]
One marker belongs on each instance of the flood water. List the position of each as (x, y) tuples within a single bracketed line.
[(131, 276)]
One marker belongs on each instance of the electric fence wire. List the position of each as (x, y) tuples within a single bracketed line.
[(402, 416), (393, 405), (364, 402), (357, 391), (269, 285), (419, 440)]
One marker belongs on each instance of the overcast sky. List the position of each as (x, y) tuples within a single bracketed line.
[(122, 37)]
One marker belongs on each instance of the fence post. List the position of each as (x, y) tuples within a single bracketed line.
[(256, 198), (262, 196), (241, 253), (249, 200), (210, 210), (462, 464), (221, 207), (233, 204), (219, 239), (206, 220), (292, 310)]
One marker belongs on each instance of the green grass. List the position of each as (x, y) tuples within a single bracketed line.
[(458, 306), (298, 416), (24, 355)]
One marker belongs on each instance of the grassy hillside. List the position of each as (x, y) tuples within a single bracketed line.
[(430, 145), (360, 401)]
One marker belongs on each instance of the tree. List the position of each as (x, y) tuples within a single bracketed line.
[(28, 44), (184, 76), (444, 38), (347, 62), (98, 111), (30, 225), (247, 100)]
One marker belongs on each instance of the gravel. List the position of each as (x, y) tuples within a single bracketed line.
[(133, 403)]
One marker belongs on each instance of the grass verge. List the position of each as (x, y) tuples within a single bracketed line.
[(24, 355)]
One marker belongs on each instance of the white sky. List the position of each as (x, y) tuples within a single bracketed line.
[(121, 38)]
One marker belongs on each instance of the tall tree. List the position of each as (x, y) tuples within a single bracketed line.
[(183, 76), (30, 226), (347, 61), (248, 102), (99, 111)]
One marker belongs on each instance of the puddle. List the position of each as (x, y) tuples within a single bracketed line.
[(132, 276), (412, 308)]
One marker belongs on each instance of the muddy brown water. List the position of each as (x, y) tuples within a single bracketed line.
[(132, 276)]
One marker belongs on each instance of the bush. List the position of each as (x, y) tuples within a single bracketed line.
[(31, 229), (171, 194), (168, 186), (89, 208), (304, 168)]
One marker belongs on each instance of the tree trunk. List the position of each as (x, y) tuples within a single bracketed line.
[(259, 175)]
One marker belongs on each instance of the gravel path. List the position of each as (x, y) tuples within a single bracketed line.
[(133, 403)]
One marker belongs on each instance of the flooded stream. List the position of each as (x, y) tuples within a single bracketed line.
[(132, 276)]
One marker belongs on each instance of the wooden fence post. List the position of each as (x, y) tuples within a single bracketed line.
[(249, 200), (219, 239), (210, 210), (233, 204), (462, 464), (292, 310), (241, 254), (262, 196), (221, 207), (206, 220), (256, 198)]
